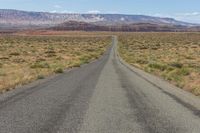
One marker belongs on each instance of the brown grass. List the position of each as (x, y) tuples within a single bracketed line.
[(27, 58), (173, 56)]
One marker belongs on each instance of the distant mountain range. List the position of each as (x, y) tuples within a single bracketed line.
[(63, 21)]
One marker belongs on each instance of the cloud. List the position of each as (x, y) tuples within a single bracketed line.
[(57, 6), (94, 12), (63, 11), (189, 14), (112, 12), (161, 15), (193, 17), (54, 11), (66, 11)]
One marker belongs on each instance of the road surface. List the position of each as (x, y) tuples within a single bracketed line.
[(105, 96)]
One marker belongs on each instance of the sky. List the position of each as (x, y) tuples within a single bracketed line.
[(185, 10)]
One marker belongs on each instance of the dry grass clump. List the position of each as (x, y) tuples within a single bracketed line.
[(173, 56), (27, 58)]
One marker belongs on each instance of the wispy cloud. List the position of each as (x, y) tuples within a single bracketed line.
[(54, 11), (66, 11), (94, 11), (187, 16), (57, 6), (62, 11)]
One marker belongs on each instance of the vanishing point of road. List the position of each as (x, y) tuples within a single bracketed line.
[(105, 96)]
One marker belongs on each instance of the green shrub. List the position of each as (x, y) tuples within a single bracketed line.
[(160, 67), (2, 73), (77, 64), (183, 71), (176, 64), (15, 53), (173, 76), (84, 59), (50, 52), (40, 65), (176, 74), (90, 49), (196, 91), (169, 68), (40, 77), (59, 70), (141, 61)]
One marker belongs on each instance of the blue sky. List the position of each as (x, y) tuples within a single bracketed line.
[(186, 10)]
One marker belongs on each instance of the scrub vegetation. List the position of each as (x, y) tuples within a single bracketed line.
[(24, 58), (172, 56)]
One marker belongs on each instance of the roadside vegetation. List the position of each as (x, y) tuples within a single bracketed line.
[(172, 56), (27, 58)]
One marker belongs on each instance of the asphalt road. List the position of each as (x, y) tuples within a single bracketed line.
[(105, 96)]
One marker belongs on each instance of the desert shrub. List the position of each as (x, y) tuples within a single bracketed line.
[(59, 70), (90, 49), (40, 65), (50, 52), (40, 59), (141, 61), (40, 77), (176, 74), (2, 73), (154, 48), (45, 55), (59, 58), (4, 58), (76, 64), (51, 55), (158, 66), (189, 57), (19, 60), (76, 53), (176, 64), (196, 91), (15, 54), (183, 71), (176, 55), (173, 76), (143, 47), (148, 69), (84, 59), (169, 68)]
